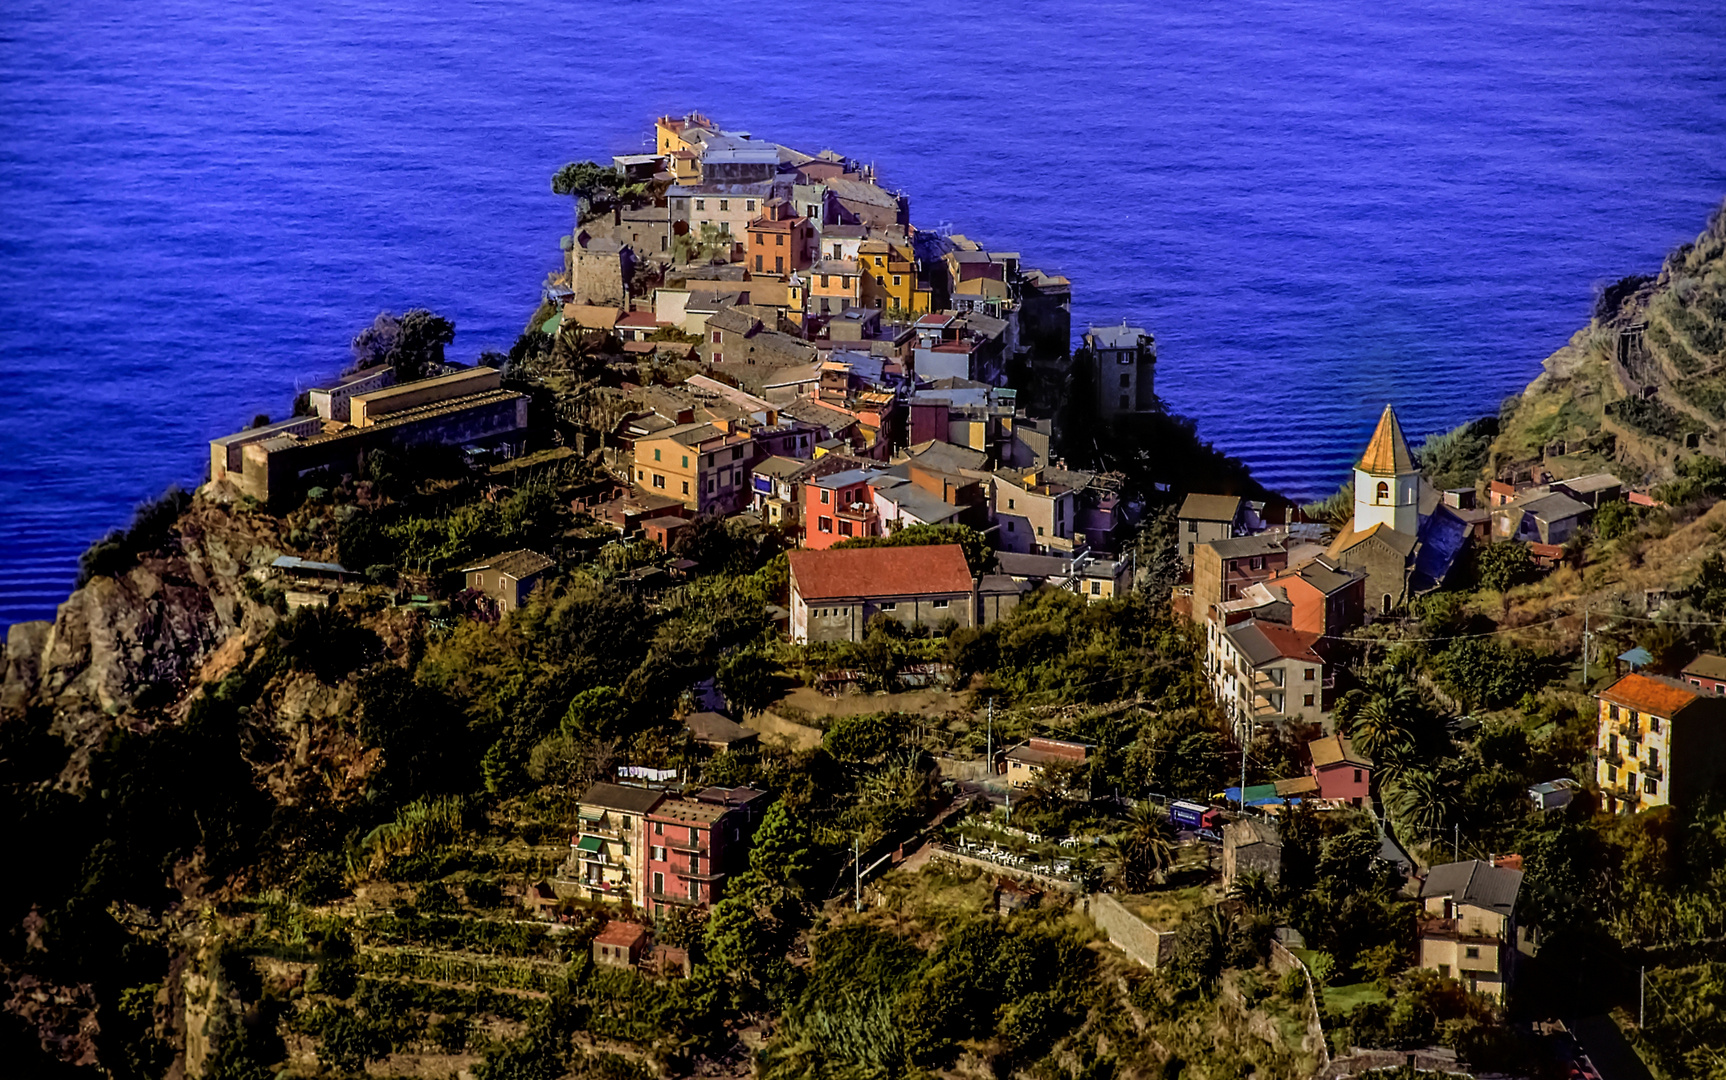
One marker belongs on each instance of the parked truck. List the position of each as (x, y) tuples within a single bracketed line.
[(1190, 815)]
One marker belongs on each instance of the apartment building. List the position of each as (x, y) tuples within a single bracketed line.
[(1660, 742), (704, 466)]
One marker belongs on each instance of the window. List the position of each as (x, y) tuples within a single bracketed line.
[(656, 453), (1384, 604), (778, 264), (778, 239), (1258, 562), (748, 204), (825, 495), (1650, 786), (845, 281), (1309, 674), (658, 883), (1009, 504), (1383, 491), (1234, 564), (724, 204), (737, 453), (1039, 530), (710, 485), (891, 605), (659, 828), (826, 524), (1444, 971), (1357, 776), (1612, 774), (1634, 716), (758, 263), (1096, 588), (686, 461), (824, 282), (844, 528), (1126, 382), (879, 262), (1654, 721), (686, 487), (1309, 701), (1612, 712), (896, 278), (1010, 525), (1189, 549), (1612, 744), (1653, 757), (939, 604), (701, 204), (1471, 952), (658, 480), (694, 889), (657, 855)]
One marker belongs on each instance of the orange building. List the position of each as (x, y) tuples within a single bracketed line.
[(779, 241), (839, 507), (891, 277)]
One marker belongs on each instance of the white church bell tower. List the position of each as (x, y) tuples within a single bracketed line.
[(1386, 482)]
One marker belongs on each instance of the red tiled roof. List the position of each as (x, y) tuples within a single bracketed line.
[(621, 933), (883, 571), (1646, 693), (1297, 644), (638, 318)]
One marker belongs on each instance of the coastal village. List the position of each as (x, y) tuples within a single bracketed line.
[(791, 625)]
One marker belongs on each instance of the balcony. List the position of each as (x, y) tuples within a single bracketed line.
[(670, 898), (1450, 930), (1654, 772), (690, 849), (1267, 680), (1612, 757)]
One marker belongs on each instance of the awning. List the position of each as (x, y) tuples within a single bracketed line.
[(590, 813), (590, 844)]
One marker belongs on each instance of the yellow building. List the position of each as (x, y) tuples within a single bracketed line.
[(1660, 742), (704, 466), (890, 277), (1467, 925)]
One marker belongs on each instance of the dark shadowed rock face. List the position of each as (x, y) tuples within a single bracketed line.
[(142, 638)]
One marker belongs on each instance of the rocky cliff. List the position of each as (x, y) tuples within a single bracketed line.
[(1643, 386)]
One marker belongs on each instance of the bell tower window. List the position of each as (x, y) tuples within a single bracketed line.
[(1383, 491)]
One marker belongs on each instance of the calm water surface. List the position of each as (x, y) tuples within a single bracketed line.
[(1316, 206)]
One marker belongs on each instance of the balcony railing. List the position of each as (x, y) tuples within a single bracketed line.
[(1655, 772)]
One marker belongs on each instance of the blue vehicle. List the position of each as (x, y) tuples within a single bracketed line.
[(1189, 815)]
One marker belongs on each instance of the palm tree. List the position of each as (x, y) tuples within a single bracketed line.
[(1255, 891), (1384, 730), (1417, 800), (1148, 850)]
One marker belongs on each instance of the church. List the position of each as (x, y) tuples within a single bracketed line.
[(1402, 536)]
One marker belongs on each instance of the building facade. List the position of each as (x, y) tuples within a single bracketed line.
[(1660, 742), (834, 594)]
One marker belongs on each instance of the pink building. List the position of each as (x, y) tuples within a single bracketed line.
[(1343, 773), (692, 844), (839, 507)]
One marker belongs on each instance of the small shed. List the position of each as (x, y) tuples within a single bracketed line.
[(716, 731), (1553, 794), (1250, 846), (620, 944), (663, 530)]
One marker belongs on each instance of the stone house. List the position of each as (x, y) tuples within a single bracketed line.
[(835, 593), (508, 579), (1223, 569), (620, 944), (1250, 846)]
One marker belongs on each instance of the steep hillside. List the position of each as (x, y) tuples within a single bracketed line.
[(1643, 386)]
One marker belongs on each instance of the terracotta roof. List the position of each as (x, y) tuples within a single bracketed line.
[(621, 933), (638, 318), (1336, 750), (1387, 454), (884, 571), (1649, 693)]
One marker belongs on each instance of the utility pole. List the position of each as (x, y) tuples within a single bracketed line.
[(1642, 998), (1456, 845), (857, 874), (1585, 637), (1246, 740), (989, 745)]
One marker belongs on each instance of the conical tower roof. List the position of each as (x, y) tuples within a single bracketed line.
[(1387, 454)]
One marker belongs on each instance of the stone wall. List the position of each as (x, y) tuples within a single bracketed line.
[(1314, 1040), (1132, 935)]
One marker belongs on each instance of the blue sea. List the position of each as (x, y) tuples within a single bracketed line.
[(1316, 205)]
